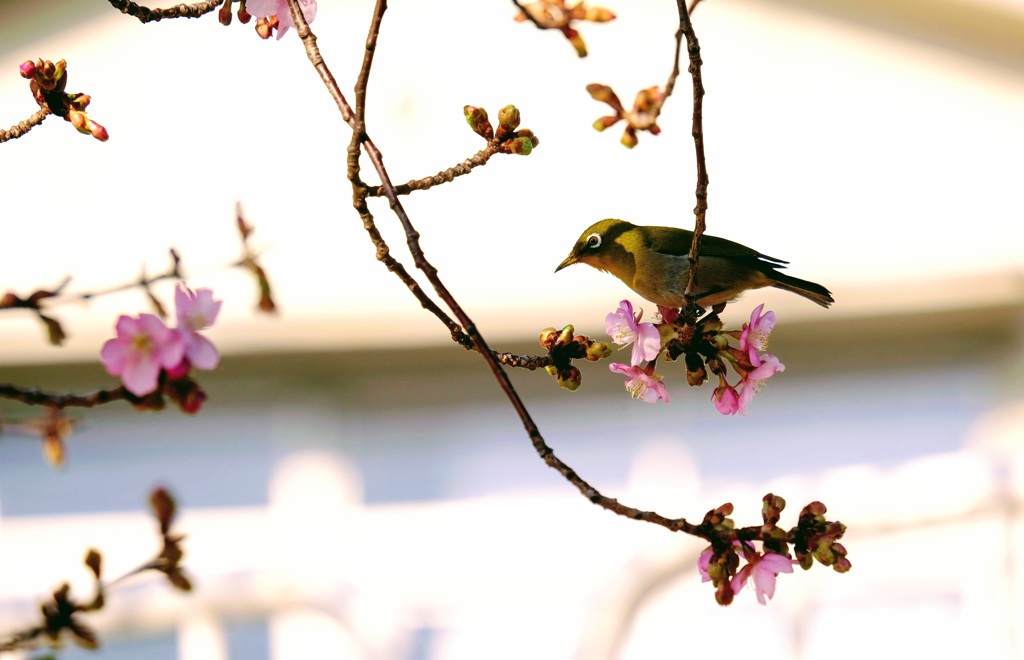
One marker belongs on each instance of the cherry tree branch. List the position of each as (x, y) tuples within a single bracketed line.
[(25, 126), (700, 210), (147, 15)]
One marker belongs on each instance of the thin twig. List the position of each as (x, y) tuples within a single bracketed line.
[(700, 210), (147, 15), (35, 397), (25, 126), (465, 167)]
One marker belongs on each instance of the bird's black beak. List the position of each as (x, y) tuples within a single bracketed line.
[(570, 260)]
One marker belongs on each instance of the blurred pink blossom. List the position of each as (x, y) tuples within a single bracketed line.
[(197, 311), (143, 347)]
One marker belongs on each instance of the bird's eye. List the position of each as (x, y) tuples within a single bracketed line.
[(594, 241)]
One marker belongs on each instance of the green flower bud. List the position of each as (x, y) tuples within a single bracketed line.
[(477, 120), (570, 379), (548, 337), (599, 350), (566, 335), (508, 117)]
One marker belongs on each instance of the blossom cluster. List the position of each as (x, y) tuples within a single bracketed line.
[(145, 349), (813, 539), (705, 343), (761, 570)]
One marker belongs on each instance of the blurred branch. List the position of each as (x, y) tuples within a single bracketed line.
[(61, 612)]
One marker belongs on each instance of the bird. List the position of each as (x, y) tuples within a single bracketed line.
[(653, 262)]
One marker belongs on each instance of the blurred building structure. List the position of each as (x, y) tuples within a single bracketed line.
[(387, 504)]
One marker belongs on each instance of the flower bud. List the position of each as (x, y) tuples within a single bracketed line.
[(27, 69), (603, 93), (695, 377), (598, 15), (78, 120), (98, 131), (79, 101), (521, 146), (629, 139), (599, 350), (570, 378), (724, 593), (508, 117), (771, 508), (477, 120), (263, 28), (566, 335), (224, 15), (548, 337), (576, 40)]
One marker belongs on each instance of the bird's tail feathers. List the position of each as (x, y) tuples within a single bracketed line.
[(813, 292)]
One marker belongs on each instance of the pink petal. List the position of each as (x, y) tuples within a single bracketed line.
[(624, 369), (113, 356), (201, 352), (647, 344), (140, 375), (776, 563), (703, 562), (740, 579)]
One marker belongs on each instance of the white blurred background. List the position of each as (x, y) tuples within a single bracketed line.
[(357, 486)]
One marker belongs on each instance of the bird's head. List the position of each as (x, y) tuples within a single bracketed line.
[(608, 245)]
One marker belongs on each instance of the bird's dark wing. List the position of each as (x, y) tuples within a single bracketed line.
[(676, 242)]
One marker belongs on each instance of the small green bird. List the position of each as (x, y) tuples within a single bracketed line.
[(653, 262)]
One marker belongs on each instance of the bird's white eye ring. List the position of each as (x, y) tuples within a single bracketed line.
[(594, 240)]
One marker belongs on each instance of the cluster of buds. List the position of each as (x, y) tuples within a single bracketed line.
[(720, 563), (224, 15), (555, 15), (818, 538), (47, 81), (644, 116), (507, 139), (564, 347)]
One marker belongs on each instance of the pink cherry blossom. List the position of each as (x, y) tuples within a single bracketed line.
[(765, 365), (763, 569), (197, 311), (642, 383), (726, 399), (755, 334), (703, 563), (143, 347), (279, 8), (624, 328)]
